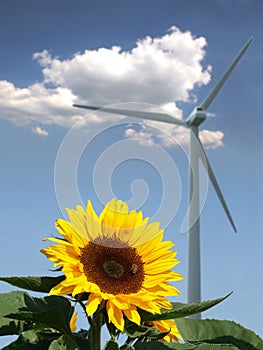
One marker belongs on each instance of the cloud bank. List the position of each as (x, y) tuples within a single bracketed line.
[(161, 71)]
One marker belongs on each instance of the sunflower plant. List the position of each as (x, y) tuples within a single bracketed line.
[(118, 270)]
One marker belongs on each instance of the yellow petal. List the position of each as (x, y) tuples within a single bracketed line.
[(93, 303), (92, 222), (145, 248), (121, 302), (71, 235), (115, 315), (77, 221), (133, 315), (160, 266), (72, 323), (62, 252), (113, 217), (61, 289), (168, 326)]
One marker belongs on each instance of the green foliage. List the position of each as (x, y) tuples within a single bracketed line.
[(52, 311), (207, 335), (41, 284), (149, 332), (219, 332), (166, 346), (180, 310), (31, 339), (43, 324), (11, 303), (81, 339), (127, 347), (36, 321), (64, 343), (111, 345)]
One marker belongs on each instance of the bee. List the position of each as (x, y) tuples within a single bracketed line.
[(134, 269)]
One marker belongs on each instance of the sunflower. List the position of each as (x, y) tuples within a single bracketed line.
[(117, 258)]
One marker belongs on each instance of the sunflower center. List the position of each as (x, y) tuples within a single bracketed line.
[(113, 268), (113, 265)]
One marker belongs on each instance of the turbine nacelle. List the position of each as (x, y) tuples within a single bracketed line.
[(197, 117)]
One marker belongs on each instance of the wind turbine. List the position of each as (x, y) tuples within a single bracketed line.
[(195, 119)]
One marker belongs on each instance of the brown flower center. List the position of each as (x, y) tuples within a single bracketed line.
[(113, 265), (113, 268)]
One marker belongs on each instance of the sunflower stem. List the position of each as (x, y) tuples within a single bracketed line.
[(95, 332)]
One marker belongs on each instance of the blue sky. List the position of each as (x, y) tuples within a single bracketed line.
[(54, 53)]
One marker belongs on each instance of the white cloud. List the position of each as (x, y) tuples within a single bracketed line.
[(144, 137), (166, 135), (160, 71), (37, 103), (157, 70), (44, 58), (210, 115), (172, 109), (39, 131), (211, 139), (169, 136)]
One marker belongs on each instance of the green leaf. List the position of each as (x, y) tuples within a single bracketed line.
[(201, 347), (127, 347), (181, 310), (31, 339), (52, 311), (150, 332), (64, 342), (10, 303), (153, 345), (215, 347), (219, 332), (166, 346), (81, 341), (41, 345), (33, 336), (111, 345), (35, 283)]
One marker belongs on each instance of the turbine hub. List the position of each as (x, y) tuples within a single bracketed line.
[(196, 117)]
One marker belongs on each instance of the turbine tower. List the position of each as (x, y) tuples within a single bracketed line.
[(195, 119)]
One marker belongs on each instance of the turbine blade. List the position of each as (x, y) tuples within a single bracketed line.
[(159, 117), (209, 99), (219, 193)]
